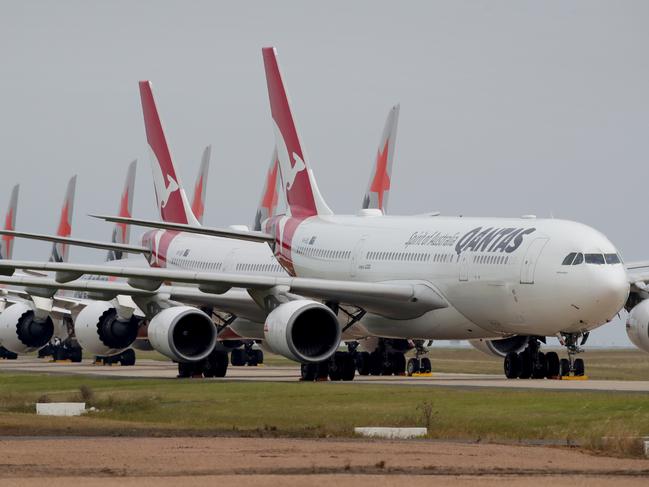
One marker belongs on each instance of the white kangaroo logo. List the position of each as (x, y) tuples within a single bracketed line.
[(163, 191), (287, 171)]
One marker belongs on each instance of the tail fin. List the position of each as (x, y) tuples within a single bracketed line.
[(170, 195), (60, 251), (270, 193), (198, 202), (299, 185), (122, 231), (378, 188), (7, 242)]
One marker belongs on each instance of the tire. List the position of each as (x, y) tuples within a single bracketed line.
[(251, 358), (127, 358), (260, 356), (216, 364), (399, 364), (412, 367), (554, 367), (185, 370), (580, 368), (76, 355), (425, 366), (308, 372), (540, 366), (376, 363), (526, 365), (349, 368), (237, 357), (336, 366), (512, 365), (363, 363), (564, 367)]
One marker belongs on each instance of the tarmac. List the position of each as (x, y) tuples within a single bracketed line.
[(154, 369)]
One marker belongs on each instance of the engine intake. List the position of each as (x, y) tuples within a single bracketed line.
[(502, 346), (637, 325), (100, 330), (21, 331), (183, 334), (303, 330)]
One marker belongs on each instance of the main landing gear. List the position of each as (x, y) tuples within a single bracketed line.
[(246, 356), (215, 365), (126, 358), (7, 354), (344, 365), (531, 363)]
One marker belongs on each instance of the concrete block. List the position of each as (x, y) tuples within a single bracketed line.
[(60, 408), (391, 433)]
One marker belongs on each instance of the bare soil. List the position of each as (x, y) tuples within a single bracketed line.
[(271, 462)]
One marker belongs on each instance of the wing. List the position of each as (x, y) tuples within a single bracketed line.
[(392, 299)]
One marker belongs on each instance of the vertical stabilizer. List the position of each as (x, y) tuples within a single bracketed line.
[(122, 231), (378, 188), (60, 251), (200, 188), (270, 193), (7, 242), (302, 195), (173, 204)]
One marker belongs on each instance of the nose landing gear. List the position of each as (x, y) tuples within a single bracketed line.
[(573, 366), (419, 364)]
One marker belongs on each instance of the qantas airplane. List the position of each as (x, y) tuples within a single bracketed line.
[(427, 277)]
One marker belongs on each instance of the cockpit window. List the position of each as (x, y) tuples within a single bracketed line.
[(578, 259), (595, 259), (569, 258), (612, 258)]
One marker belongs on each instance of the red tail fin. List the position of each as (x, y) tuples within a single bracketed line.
[(122, 231), (270, 193), (302, 195), (172, 201), (60, 251), (7, 242), (198, 202)]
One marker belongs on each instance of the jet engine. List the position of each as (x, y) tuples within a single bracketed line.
[(502, 346), (101, 331), (637, 325), (182, 333), (22, 330), (302, 330)]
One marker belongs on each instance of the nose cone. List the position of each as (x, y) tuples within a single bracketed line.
[(609, 288)]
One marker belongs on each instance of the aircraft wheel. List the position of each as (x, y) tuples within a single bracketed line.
[(579, 367), (526, 365), (554, 367), (376, 363), (539, 366), (363, 363), (564, 367), (185, 370), (398, 363), (260, 356), (337, 366), (237, 357), (349, 367), (216, 364), (127, 357), (426, 367), (308, 372), (412, 367), (512, 365)]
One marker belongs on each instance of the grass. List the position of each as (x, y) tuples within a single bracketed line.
[(191, 407)]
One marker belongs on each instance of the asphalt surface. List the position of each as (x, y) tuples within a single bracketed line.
[(153, 369)]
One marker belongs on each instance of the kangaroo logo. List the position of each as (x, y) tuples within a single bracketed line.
[(288, 172), (163, 190)]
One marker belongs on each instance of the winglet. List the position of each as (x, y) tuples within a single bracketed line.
[(378, 187), (200, 188), (7, 242), (302, 194), (172, 200), (122, 231), (59, 250), (270, 193)]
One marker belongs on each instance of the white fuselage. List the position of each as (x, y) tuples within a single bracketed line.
[(499, 276)]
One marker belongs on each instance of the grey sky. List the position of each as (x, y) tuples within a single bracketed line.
[(507, 108)]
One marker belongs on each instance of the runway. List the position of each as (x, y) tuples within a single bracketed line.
[(154, 369)]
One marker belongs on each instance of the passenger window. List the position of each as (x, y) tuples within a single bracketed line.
[(578, 259), (595, 259), (569, 258), (612, 258)]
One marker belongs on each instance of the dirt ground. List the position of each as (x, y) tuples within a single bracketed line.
[(272, 462)]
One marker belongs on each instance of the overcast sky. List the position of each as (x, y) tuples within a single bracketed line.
[(507, 108)]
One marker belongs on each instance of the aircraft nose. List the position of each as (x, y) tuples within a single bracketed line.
[(610, 288)]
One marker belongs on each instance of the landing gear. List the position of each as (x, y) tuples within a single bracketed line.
[(314, 372), (342, 366), (126, 358), (573, 366), (532, 363), (7, 354), (67, 349), (246, 356), (419, 364), (215, 365)]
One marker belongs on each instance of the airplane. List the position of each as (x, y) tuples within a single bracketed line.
[(7, 249)]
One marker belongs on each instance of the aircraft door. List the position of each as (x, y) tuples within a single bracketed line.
[(531, 257), (357, 256)]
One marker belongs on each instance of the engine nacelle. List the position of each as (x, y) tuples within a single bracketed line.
[(502, 346), (182, 333), (303, 330), (100, 331), (21, 331), (637, 325)]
